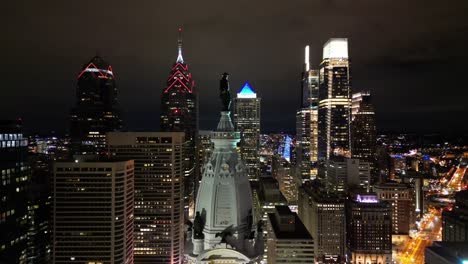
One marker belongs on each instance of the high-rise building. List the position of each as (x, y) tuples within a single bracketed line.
[(265, 200), (309, 83), (92, 212), (306, 142), (247, 122), (343, 174), (39, 208), (363, 131), (455, 222), (334, 114), (285, 175), (369, 230), (323, 214), (96, 110), (179, 113), (288, 239), (204, 147), (159, 218), (14, 188), (307, 123), (402, 198)]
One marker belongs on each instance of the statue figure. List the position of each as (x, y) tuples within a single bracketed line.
[(224, 92), (198, 226), (224, 234)]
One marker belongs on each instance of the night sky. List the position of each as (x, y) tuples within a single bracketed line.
[(412, 55)]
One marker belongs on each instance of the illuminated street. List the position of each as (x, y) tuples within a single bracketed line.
[(430, 226)]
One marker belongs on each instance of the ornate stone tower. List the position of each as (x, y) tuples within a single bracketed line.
[(224, 201)]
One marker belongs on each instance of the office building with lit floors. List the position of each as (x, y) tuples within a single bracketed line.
[(159, 174), (247, 122), (14, 186), (323, 214), (363, 128), (369, 230), (403, 200), (334, 111), (92, 215), (288, 239), (344, 174), (307, 122), (455, 222), (204, 147), (265, 200), (96, 110), (364, 131), (179, 113), (306, 143)]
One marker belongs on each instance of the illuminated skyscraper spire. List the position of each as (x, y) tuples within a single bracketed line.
[(306, 121), (334, 114), (179, 113), (179, 45)]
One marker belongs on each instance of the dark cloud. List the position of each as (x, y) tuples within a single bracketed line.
[(410, 54)]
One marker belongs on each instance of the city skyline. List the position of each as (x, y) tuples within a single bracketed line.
[(339, 137), (419, 49)]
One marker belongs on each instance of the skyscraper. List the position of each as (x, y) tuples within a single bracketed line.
[(363, 130), (402, 198), (179, 113), (334, 112), (344, 174), (369, 229), (204, 147), (96, 111), (265, 199), (159, 218), (247, 122), (306, 143), (14, 188), (307, 122), (309, 84), (323, 214), (93, 212), (39, 208)]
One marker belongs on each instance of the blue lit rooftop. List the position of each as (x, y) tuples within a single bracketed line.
[(246, 92)]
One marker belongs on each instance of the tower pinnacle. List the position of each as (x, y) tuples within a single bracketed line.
[(179, 44)]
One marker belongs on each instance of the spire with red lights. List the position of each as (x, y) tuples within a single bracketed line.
[(180, 78), (178, 104), (179, 113)]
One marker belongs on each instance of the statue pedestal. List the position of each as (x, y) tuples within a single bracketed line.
[(197, 246)]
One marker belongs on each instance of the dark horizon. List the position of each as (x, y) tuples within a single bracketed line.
[(409, 55)]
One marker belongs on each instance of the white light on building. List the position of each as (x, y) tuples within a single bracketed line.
[(336, 48)]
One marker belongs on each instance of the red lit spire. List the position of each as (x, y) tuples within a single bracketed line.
[(180, 79)]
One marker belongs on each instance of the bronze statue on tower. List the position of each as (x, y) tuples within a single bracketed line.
[(224, 92)]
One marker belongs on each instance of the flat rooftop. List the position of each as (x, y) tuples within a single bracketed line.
[(299, 231)]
